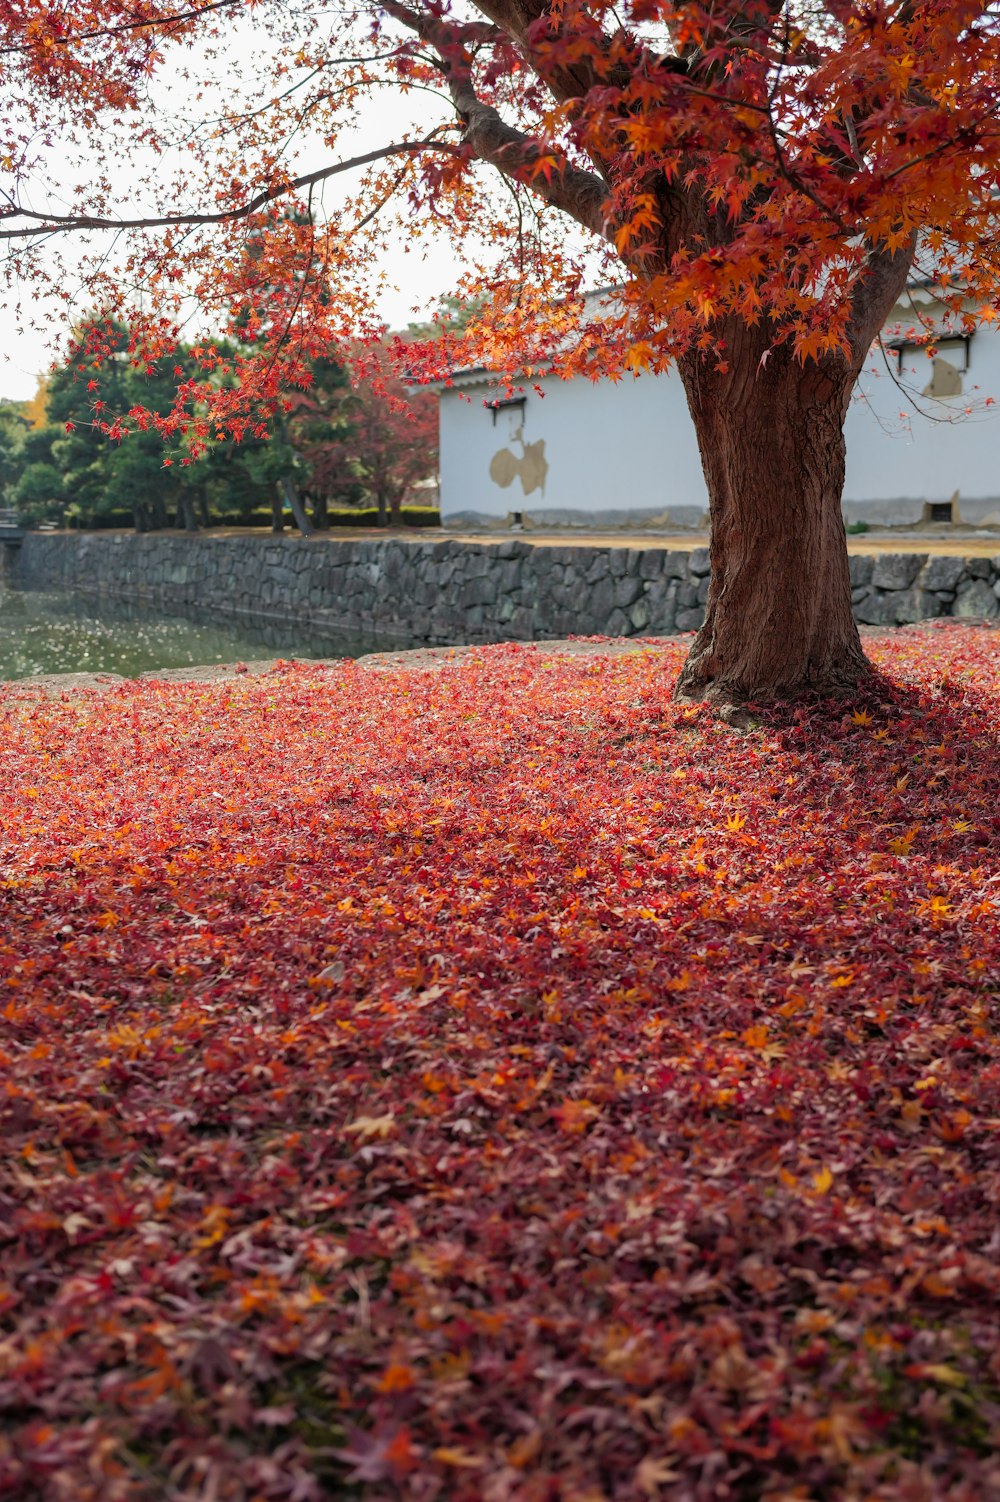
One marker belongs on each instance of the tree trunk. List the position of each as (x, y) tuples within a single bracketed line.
[(187, 513), (290, 492), (277, 510), (288, 485), (778, 620)]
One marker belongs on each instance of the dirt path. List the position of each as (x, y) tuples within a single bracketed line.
[(963, 542), (958, 544)]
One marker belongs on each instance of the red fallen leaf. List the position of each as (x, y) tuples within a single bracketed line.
[(556, 1164), (387, 1455)]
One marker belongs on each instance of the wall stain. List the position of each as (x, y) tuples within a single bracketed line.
[(532, 467)]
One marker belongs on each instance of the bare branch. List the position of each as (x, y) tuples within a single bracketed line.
[(58, 223)]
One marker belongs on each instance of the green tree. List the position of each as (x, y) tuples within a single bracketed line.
[(40, 492), (13, 431)]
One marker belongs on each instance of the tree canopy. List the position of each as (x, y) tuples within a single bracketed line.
[(763, 160)]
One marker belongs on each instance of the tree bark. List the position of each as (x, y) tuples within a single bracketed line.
[(778, 620), (321, 513), (186, 513), (289, 491)]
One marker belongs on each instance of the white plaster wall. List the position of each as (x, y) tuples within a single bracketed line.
[(615, 446), (890, 456), (609, 446)]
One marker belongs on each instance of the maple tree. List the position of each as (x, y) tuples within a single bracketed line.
[(494, 1082), (390, 441), (757, 173)]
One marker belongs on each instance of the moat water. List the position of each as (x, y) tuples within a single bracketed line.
[(61, 632)]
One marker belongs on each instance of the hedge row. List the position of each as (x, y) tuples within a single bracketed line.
[(410, 516), (348, 516)]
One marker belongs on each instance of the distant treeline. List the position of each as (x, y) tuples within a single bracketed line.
[(341, 455)]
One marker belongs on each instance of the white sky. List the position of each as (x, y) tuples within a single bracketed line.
[(419, 273)]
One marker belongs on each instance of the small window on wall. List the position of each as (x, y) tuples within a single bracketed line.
[(946, 370)]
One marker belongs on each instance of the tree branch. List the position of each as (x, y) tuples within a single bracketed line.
[(876, 291), (573, 190), (148, 24), (58, 223)]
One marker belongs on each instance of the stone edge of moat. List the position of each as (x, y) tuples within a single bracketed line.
[(417, 659)]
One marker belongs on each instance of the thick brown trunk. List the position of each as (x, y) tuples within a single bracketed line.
[(778, 620)]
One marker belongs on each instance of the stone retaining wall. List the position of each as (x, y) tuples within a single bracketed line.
[(448, 591), (898, 589)]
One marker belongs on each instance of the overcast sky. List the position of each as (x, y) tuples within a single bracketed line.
[(27, 352)]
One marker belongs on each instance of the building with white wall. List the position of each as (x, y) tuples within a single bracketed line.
[(918, 430)]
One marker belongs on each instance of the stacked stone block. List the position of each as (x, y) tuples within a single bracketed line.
[(446, 591), (900, 589)]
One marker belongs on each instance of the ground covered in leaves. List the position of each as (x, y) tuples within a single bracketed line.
[(500, 1084)]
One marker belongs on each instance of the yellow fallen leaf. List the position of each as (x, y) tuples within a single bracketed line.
[(523, 1451), (450, 1455), (822, 1181), (652, 1474), (372, 1126), (937, 1372)]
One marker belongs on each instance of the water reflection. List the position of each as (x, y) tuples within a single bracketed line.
[(60, 632)]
